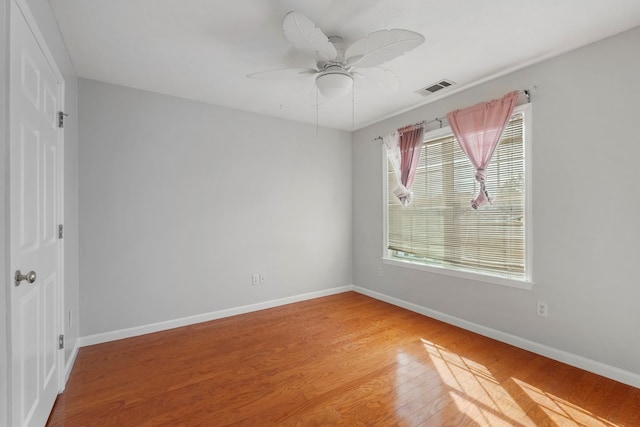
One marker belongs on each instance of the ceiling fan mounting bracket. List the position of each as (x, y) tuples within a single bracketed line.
[(333, 66)]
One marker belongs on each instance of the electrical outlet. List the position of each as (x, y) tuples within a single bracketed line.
[(261, 279), (379, 271), (255, 279), (542, 309)]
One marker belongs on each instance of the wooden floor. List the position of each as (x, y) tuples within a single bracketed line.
[(340, 360)]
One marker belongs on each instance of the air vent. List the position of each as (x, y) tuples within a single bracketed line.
[(433, 88)]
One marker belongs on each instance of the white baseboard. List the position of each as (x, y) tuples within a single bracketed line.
[(599, 368), (617, 374), (204, 317), (72, 360)]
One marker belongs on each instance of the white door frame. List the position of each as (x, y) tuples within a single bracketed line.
[(22, 7)]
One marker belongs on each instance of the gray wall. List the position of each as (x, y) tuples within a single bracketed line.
[(180, 202), (585, 210), (43, 14)]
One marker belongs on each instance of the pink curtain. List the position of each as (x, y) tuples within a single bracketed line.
[(478, 130), (410, 143)]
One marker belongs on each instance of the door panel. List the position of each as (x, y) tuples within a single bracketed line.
[(35, 149), (28, 148), (29, 348), (50, 345), (29, 79), (49, 217)]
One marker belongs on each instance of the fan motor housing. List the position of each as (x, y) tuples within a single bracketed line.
[(334, 81)]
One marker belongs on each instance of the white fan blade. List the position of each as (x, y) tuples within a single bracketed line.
[(283, 74), (306, 37), (381, 46)]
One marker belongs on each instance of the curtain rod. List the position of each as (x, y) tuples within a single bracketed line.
[(525, 92)]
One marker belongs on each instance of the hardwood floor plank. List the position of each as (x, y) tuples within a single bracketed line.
[(345, 359)]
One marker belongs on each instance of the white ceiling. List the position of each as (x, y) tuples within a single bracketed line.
[(203, 49)]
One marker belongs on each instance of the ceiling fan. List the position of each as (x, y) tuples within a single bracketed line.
[(336, 65)]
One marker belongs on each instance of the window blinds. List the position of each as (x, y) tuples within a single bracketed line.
[(440, 228)]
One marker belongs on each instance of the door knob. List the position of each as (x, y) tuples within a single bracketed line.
[(29, 277)]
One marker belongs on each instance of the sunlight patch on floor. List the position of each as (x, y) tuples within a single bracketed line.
[(475, 391), (559, 410), (482, 399)]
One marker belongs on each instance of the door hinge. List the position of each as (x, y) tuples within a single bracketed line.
[(61, 231), (61, 116), (61, 342)]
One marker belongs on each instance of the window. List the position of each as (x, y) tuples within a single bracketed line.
[(440, 229)]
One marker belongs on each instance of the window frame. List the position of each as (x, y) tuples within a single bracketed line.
[(522, 283)]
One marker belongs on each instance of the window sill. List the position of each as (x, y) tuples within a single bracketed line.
[(503, 281)]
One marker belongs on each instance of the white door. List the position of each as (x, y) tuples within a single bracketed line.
[(34, 175)]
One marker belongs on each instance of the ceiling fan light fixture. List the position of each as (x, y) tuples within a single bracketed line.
[(334, 83)]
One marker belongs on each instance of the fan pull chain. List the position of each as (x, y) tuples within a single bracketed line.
[(353, 107)]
